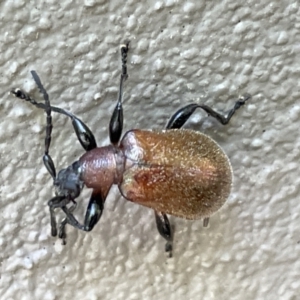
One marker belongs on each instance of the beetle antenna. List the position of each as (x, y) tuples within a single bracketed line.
[(18, 93), (49, 125), (48, 162), (84, 134)]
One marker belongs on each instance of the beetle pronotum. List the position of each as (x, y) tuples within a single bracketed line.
[(174, 171)]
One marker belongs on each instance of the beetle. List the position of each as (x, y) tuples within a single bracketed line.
[(174, 171)]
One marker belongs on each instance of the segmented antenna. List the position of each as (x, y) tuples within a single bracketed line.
[(49, 125), (84, 134), (48, 162)]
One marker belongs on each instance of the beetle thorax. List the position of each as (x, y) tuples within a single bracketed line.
[(102, 167)]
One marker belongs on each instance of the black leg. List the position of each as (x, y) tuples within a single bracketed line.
[(205, 222), (176, 122), (56, 202), (183, 114), (164, 229), (116, 121), (83, 133), (62, 233), (48, 162), (92, 216), (49, 125)]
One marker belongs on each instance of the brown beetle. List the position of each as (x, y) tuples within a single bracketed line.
[(174, 171)]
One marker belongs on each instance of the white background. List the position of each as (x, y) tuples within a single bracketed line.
[(181, 52)]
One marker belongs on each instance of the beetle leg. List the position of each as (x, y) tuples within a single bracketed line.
[(92, 215), (83, 133), (205, 222), (165, 230), (183, 114), (55, 202), (116, 121), (62, 233)]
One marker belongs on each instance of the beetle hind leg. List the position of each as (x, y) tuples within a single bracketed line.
[(183, 114), (165, 230), (205, 222)]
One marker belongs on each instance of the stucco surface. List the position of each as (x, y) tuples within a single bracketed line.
[(181, 52)]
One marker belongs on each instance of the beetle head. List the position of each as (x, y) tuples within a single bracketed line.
[(68, 182)]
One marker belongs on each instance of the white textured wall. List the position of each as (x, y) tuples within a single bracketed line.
[(181, 51)]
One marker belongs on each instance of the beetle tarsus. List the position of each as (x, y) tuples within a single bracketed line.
[(169, 248), (225, 120), (54, 203), (62, 228), (53, 231), (62, 231), (124, 50), (18, 93), (165, 230), (205, 222)]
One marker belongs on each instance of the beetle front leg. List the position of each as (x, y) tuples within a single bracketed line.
[(165, 230), (184, 113), (92, 215), (56, 202), (83, 133), (116, 121)]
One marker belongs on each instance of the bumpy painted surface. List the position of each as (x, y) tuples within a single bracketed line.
[(181, 52), (179, 172)]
